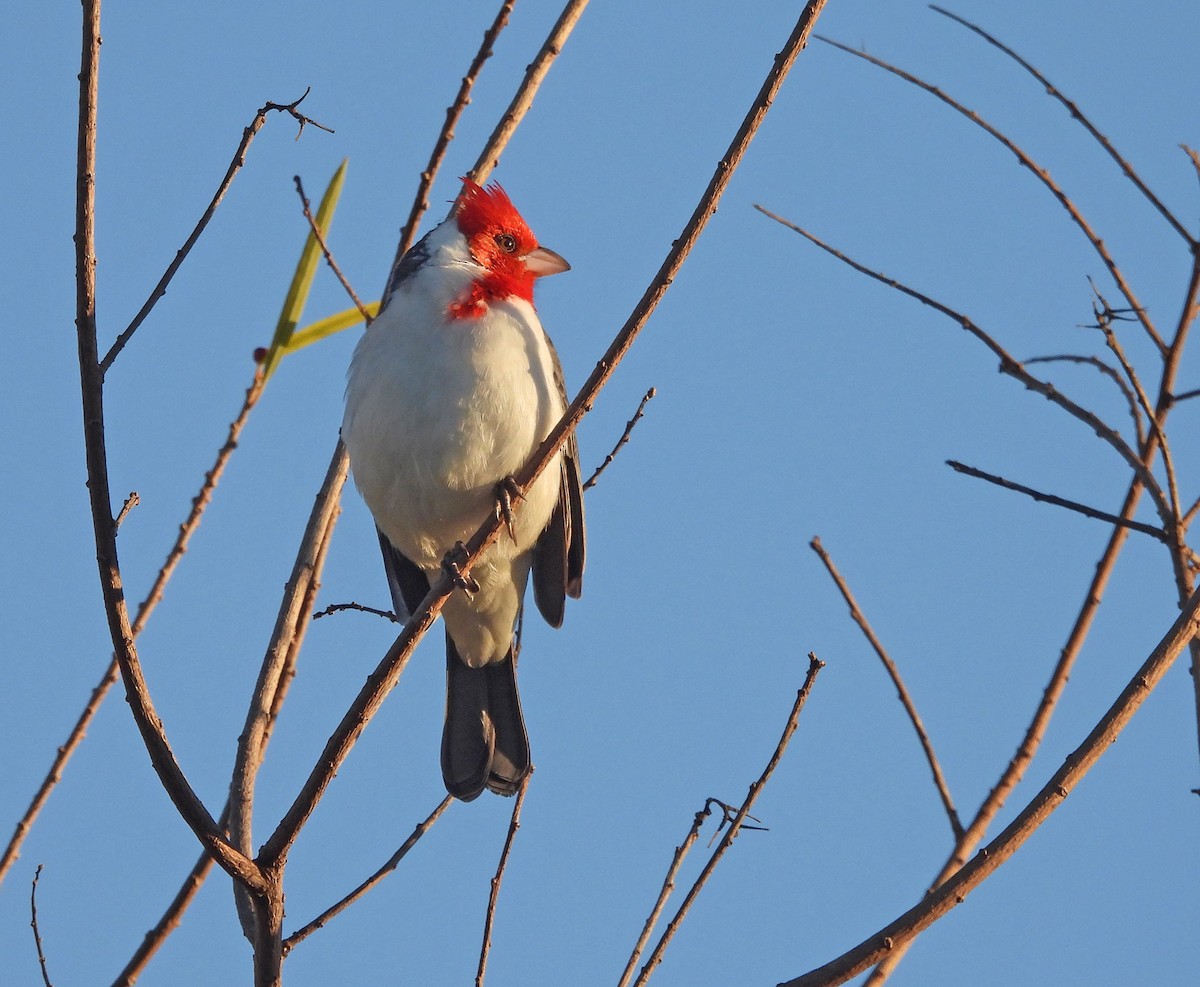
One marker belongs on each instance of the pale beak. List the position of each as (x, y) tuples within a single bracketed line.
[(544, 261)]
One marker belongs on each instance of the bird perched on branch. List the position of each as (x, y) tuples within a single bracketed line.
[(451, 389)]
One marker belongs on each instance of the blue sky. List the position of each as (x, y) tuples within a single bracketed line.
[(795, 398)]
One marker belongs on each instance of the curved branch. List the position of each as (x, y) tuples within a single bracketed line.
[(1041, 173), (92, 392), (906, 700), (1076, 114)]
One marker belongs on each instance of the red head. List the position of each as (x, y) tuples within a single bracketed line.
[(500, 241)]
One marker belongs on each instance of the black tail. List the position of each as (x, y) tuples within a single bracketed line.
[(484, 743)]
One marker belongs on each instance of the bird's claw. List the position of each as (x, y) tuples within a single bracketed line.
[(508, 490), (452, 564)]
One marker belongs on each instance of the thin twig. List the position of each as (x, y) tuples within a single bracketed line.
[(1071, 505), (320, 237), (33, 921), (1008, 364), (131, 502), (171, 917), (494, 895), (1105, 315), (1037, 170), (1076, 114), (408, 232), (1192, 156), (523, 100), (239, 159), (387, 673), (668, 887), (906, 700), (814, 666), (393, 861), (339, 607), (938, 902), (629, 426), (1186, 395), (1112, 374)]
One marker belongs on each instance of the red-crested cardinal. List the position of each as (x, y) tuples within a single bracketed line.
[(451, 389)]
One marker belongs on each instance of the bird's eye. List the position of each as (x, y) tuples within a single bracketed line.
[(506, 242)]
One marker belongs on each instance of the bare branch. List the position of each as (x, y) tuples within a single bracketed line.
[(54, 775), (1112, 374), (1071, 505), (333, 264), (393, 862), (490, 916), (1076, 114), (1193, 157), (906, 700), (33, 921), (629, 426), (92, 389), (941, 900), (291, 620), (1105, 315), (387, 673), (668, 886), (1008, 365), (239, 159), (171, 917), (489, 158), (339, 607), (1041, 173), (131, 502), (814, 666), (421, 201)]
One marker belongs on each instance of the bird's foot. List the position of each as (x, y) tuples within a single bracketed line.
[(452, 564), (508, 490)]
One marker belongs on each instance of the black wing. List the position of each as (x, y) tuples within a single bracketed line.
[(406, 581), (560, 552)]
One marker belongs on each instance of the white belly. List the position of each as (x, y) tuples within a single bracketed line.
[(436, 415)]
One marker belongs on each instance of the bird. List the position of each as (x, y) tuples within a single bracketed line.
[(450, 390)]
